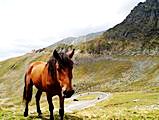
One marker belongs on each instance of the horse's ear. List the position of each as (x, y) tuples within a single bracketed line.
[(70, 54), (56, 55)]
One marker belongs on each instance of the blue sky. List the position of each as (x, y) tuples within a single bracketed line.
[(32, 24)]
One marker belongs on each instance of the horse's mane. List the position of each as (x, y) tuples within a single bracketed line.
[(51, 67)]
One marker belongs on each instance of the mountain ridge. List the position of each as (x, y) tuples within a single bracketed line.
[(137, 34)]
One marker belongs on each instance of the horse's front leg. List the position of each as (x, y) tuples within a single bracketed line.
[(61, 110), (51, 106), (26, 109)]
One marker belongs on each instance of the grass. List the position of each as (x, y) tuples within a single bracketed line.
[(18, 115), (121, 106), (125, 106), (117, 73), (88, 97), (96, 74), (133, 81)]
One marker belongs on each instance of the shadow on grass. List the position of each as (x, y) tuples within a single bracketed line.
[(46, 117)]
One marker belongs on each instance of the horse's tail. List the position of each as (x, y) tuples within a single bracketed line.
[(24, 91), (27, 93)]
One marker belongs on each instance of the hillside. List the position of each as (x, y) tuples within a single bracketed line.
[(137, 34), (120, 75)]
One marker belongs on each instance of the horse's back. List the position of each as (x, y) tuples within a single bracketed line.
[(35, 72)]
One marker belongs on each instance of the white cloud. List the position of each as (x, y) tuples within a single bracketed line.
[(32, 22)]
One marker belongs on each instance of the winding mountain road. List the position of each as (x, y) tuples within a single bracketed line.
[(82, 104)]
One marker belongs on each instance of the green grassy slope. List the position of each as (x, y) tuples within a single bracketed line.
[(124, 106), (133, 80), (12, 76), (117, 73), (120, 75)]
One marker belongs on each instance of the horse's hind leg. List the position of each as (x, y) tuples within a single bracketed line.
[(37, 96), (27, 96)]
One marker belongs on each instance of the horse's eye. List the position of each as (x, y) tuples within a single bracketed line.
[(71, 66)]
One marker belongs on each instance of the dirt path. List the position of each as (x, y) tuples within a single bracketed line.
[(82, 104)]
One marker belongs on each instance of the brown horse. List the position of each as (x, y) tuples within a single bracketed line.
[(53, 77)]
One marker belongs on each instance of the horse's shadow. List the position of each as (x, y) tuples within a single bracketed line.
[(46, 117), (43, 117)]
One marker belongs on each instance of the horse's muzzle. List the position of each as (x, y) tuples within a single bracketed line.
[(68, 94)]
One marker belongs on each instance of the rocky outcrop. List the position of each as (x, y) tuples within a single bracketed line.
[(141, 23)]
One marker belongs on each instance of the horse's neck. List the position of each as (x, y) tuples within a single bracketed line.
[(51, 82), (51, 71)]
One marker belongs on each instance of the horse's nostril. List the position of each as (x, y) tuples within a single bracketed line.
[(72, 92), (68, 94)]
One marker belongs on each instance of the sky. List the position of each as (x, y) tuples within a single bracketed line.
[(32, 24)]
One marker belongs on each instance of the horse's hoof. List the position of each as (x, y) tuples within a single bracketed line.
[(25, 114), (40, 115), (51, 118)]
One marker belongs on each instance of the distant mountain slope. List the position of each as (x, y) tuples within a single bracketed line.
[(137, 34), (77, 40), (141, 23)]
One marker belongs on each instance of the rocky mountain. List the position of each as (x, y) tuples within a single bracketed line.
[(137, 34), (141, 23)]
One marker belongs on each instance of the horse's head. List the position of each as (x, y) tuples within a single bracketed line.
[(64, 66)]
